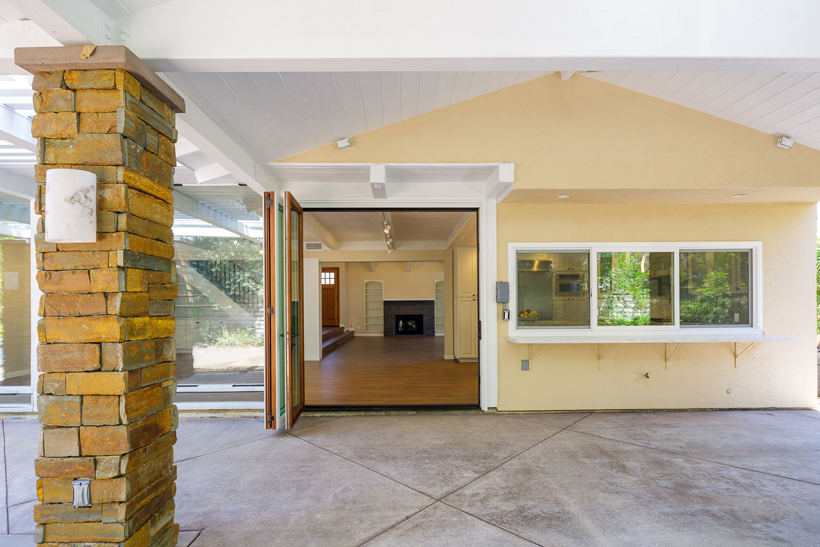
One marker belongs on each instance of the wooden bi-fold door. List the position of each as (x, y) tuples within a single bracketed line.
[(284, 312)]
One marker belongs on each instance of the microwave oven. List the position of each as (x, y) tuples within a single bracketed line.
[(570, 284)]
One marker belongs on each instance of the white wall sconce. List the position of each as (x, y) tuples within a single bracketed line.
[(71, 206), (341, 144)]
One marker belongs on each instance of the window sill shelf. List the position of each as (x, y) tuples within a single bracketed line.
[(646, 339)]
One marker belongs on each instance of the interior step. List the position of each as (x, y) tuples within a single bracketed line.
[(329, 333), (336, 342)]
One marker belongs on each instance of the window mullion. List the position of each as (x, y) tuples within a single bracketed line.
[(676, 287), (593, 289)]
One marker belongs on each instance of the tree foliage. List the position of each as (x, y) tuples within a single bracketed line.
[(623, 289)]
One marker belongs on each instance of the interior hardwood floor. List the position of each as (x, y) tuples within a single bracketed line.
[(390, 371)]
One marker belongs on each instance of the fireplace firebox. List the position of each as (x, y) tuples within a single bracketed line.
[(409, 325)]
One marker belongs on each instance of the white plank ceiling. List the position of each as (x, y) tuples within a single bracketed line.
[(778, 103), (274, 115)]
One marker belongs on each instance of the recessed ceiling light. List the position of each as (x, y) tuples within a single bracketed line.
[(739, 196), (563, 196)]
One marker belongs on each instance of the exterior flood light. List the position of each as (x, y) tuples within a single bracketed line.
[(785, 143), (71, 206), (343, 143)]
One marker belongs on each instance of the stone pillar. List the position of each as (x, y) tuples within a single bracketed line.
[(106, 349)]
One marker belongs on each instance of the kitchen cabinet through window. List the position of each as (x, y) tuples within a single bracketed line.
[(553, 289)]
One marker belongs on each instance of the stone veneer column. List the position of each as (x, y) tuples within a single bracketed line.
[(106, 330)]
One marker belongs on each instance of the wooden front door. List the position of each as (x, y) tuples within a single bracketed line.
[(330, 297)]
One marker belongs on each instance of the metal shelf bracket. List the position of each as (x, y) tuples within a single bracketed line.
[(736, 354), (666, 355)]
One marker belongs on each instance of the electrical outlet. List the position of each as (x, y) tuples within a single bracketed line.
[(82, 493), (525, 364), (358, 328)]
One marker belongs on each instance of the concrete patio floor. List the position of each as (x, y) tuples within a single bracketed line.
[(631, 479)]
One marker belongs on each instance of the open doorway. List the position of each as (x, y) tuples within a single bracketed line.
[(391, 308)]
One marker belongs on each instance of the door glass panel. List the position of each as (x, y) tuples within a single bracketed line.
[(635, 289), (15, 309), (219, 310), (714, 288), (553, 289), (280, 306), (295, 310)]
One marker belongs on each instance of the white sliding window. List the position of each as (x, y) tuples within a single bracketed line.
[(581, 289)]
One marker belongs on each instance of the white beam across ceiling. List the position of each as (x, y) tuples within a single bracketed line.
[(16, 34), (313, 224), (16, 129), (14, 214), (193, 208), (16, 185), (378, 181), (209, 172), (14, 230), (373, 35), (500, 182), (74, 23), (206, 135)]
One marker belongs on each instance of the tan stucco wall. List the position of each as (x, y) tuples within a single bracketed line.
[(781, 374), (585, 134)]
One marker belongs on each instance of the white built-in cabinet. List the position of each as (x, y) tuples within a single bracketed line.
[(373, 306), (572, 310), (465, 272)]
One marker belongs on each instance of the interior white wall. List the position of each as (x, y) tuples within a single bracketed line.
[(313, 310)]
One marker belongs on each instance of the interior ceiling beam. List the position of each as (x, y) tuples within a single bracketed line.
[(207, 136), (372, 35), (193, 208), (327, 239), (464, 225)]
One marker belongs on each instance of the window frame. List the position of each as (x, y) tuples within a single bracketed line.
[(755, 248)]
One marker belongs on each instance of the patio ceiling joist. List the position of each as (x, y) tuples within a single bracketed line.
[(209, 137), (193, 208), (16, 185)]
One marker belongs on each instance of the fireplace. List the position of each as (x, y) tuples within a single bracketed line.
[(409, 325), (422, 312)]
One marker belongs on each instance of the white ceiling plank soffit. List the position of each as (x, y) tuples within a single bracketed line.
[(779, 103), (277, 115)]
